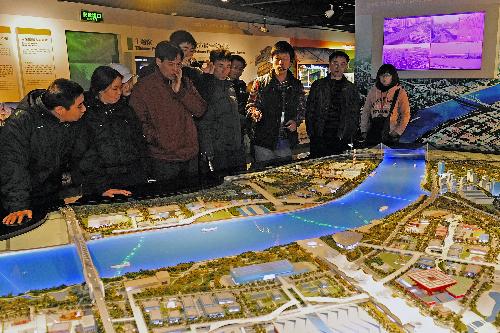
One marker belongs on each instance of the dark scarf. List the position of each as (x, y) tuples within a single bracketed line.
[(383, 88)]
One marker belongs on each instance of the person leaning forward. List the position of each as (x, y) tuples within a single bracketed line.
[(165, 103), (37, 143)]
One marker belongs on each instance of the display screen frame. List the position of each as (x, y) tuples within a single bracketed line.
[(411, 39)]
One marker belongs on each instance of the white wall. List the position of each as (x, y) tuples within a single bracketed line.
[(61, 16)]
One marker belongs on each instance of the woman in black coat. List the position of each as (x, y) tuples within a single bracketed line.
[(113, 137)]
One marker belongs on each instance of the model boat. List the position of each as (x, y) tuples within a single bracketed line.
[(383, 208), (125, 264)]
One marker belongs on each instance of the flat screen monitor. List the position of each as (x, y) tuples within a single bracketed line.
[(308, 73), (448, 41)]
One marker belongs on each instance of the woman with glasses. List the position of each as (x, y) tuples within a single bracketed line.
[(387, 110)]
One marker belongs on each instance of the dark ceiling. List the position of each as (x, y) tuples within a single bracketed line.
[(288, 13)]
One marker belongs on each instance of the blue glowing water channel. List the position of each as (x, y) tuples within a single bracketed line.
[(395, 184), (431, 117), (39, 269)]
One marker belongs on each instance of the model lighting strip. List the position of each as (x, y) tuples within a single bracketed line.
[(384, 195), (321, 224), (129, 256), (361, 217)]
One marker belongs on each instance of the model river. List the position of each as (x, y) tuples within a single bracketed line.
[(431, 117), (395, 184)]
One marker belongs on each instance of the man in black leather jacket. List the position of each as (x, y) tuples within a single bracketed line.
[(276, 104), (37, 144), (333, 110)]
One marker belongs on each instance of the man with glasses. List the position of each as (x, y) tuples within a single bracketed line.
[(332, 112), (166, 103)]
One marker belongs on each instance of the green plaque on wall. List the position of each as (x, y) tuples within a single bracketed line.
[(90, 16)]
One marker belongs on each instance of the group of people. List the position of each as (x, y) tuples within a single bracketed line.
[(179, 121)]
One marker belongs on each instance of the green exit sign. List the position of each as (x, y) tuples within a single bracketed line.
[(87, 15)]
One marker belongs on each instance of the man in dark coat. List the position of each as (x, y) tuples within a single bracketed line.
[(37, 144), (276, 104), (333, 109), (219, 129), (238, 65)]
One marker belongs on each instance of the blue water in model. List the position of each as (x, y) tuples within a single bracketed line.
[(395, 184), (434, 116), (39, 269)]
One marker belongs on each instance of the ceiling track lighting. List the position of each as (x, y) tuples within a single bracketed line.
[(264, 27)]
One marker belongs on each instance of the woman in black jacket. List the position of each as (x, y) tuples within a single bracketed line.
[(115, 145)]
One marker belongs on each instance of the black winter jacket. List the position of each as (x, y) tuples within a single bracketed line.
[(219, 129), (240, 88), (35, 149), (318, 104), (272, 98), (114, 144)]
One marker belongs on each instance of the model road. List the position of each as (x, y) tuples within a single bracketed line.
[(89, 271), (437, 255)]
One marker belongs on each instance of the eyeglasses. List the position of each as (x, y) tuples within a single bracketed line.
[(339, 64), (386, 75)]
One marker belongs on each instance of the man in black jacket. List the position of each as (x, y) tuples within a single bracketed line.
[(333, 109), (276, 104), (37, 143), (219, 129)]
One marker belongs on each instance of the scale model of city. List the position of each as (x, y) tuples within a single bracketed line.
[(371, 241)]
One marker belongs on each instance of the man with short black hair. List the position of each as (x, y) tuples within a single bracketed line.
[(37, 144), (166, 103), (220, 127), (186, 42), (276, 104), (333, 109), (238, 65)]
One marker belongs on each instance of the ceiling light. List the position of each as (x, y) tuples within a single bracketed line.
[(329, 13), (263, 28)]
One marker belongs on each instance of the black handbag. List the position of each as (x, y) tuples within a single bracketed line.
[(380, 126)]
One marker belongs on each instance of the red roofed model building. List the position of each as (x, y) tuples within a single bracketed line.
[(432, 280)]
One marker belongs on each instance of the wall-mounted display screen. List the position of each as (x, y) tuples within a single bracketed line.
[(308, 73), (451, 41)]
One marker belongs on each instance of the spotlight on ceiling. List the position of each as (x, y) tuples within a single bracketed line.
[(329, 13), (264, 28)]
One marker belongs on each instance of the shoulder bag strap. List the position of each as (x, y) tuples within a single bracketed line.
[(394, 100)]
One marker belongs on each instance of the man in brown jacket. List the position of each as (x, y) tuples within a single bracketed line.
[(166, 103)]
